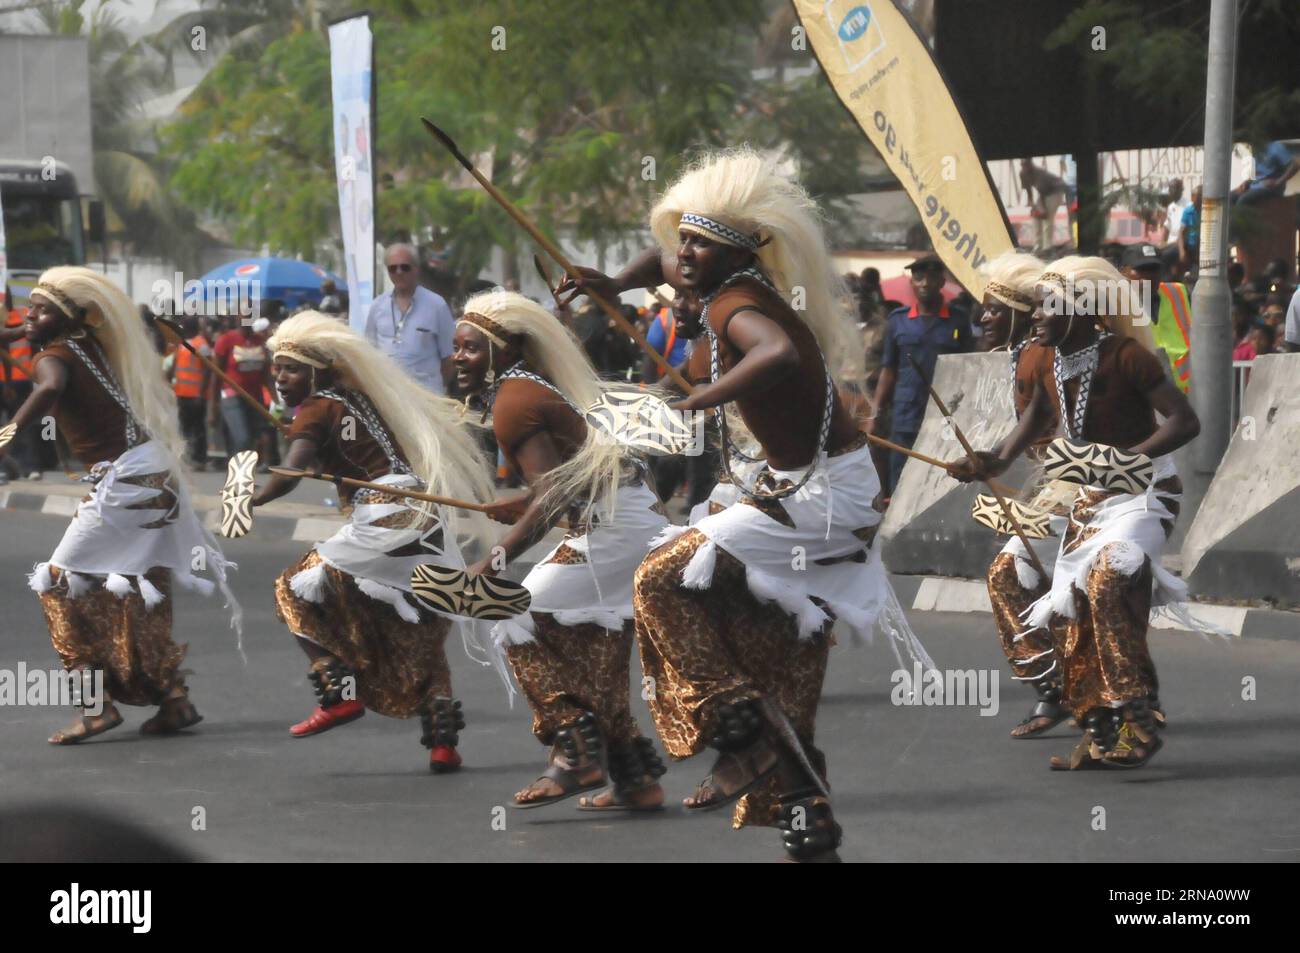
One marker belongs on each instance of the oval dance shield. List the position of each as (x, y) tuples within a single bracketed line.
[(1096, 464), (641, 422), (237, 495)]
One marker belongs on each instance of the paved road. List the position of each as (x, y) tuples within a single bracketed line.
[(911, 783)]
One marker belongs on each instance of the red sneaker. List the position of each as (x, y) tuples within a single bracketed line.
[(444, 759), (323, 719)]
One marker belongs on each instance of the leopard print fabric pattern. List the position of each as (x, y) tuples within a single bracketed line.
[(702, 648), (1010, 599), (130, 643), (572, 669), (401, 666)]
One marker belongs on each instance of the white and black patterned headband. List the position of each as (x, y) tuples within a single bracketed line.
[(710, 228)]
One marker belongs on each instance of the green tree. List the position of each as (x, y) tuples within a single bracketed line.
[(580, 112)]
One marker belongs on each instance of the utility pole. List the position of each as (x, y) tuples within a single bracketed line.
[(1211, 344)]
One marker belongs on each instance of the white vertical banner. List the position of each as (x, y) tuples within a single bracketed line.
[(352, 76), (4, 252)]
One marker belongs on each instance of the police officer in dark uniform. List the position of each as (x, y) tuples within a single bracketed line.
[(924, 331)]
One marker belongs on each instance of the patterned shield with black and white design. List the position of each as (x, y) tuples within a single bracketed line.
[(7, 433), (1034, 522), (1097, 464), (492, 599), (439, 588), (641, 422), (237, 495)]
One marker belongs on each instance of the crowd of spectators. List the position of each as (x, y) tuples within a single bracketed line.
[(415, 325)]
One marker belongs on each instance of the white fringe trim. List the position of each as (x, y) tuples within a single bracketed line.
[(39, 579), (517, 631), (150, 593), (118, 585), (393, 597), (767, 588), (1026, 574), (193, 583), (309, 584), (1123, 557), (698, 573), (667, 535), (1033, 678), (78, 584), (611, 619), (1181, 612)]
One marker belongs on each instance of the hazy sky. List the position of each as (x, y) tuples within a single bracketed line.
[(138, 17)]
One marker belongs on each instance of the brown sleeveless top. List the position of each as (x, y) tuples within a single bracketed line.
[(524, 408), (344, 445), (88, 418)]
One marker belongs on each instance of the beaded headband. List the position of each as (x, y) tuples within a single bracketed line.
[(65, 304), (710, 228), (303, 355), (1016, 300), (495, 332)]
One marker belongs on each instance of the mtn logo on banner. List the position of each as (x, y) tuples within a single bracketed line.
[(857, 30)]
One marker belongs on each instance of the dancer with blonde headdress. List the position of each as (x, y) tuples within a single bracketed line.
[(1013, 581), (348, 601), (733, 614), (1097, 374), (571, 652), (106, 590)]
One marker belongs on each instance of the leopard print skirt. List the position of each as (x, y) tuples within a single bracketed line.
[(703, 648), (1104, 655), (1103, 651), (568, 670), (401, 666), (1032, 655), (131, 644)]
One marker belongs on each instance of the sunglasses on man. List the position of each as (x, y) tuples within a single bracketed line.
[(400, 268)]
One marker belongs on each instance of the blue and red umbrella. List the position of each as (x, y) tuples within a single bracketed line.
[(272, 279)]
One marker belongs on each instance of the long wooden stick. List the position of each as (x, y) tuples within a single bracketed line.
[(546, 279), (387, 488), (932, 461), (175, 335), (560, 259), (974, 459)]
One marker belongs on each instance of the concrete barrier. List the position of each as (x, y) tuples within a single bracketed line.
[(928, 527), (1244, 543)]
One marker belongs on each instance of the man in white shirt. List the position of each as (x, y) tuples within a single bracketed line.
[(1174, 212), (412, 324)]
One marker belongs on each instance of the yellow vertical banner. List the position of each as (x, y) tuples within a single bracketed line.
[(882, 71)]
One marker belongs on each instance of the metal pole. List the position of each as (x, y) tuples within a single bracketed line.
[(1211, 356)]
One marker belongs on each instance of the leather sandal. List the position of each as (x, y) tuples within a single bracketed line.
[(87, 727), (734, 775), (173, 715), (1043, 711), (577, 752), (1082, 758), (1133, 749)]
